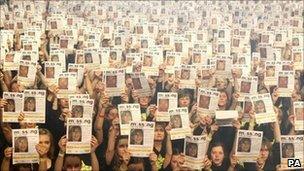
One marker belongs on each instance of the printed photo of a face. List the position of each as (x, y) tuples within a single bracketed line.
[(26, 57), (139, 30), (126, 117), (144, 44), (247, 107), (111, 81), (113, 55), (10, 106), (80, 59), (23, 71), (283, 82), (288, 150), (259, 107), (205, 74), (270, 71), (53, 25), (64, 43), (136, 137), (299, 113), (185, 74), (19, 25), (106, 30), (29, 104), (150, 29), (178, 47), (117, 41), (9, 57), (197, 58), (49, 72), (70, 21), (220, 65), (73, 70), (55, 58), (297, 57), (136, 83), (167, 41), (63, 83), (204, 102), (221, 34), (191, 149), (295, 42), (236, 42), (244, 145), (27, 47), (163, 105), (176, 121), (75, 134), (170, 60), (88, 58), (147, 61), (77, 111), (221, 48), (263, 52), (278, 38), (245, 87), (21, 145), (265, 38)]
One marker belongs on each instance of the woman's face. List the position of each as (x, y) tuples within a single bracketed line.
[(184, 101), (144, 101), (76, 134), (22, 145), (45, 141), (122, 146), (217, 155), (112, 114), (264, 152), (223, 99), (138, 137), (127, 118), (159, 133), (64, 102), (221, 84), (30, 105)]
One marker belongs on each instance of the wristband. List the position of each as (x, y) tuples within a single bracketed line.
[(61, 153)]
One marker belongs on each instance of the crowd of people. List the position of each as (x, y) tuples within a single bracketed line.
[(237, 50)]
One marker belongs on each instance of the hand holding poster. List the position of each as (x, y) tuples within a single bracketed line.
[(248, 145), (24, 142), (141, 138), (79, 134)]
